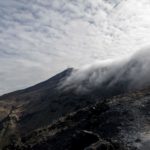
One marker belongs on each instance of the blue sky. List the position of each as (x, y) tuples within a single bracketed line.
[(39, 38)]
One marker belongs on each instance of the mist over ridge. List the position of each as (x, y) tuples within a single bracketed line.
[(132, 71)]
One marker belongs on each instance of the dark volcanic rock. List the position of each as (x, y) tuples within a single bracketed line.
[(119, 123), (40, 105), (45, 117)]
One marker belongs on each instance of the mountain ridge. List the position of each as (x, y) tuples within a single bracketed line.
[(46, 104), (39, 85)]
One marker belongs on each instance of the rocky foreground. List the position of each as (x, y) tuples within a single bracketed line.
[(47, 117), (118, 123)]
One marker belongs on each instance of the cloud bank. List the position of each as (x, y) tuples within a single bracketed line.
[(129, 73)]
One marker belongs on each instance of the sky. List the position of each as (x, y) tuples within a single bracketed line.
[(39, 38)]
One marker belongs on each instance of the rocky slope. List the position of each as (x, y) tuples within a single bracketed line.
[(48, 117), (118, 123)]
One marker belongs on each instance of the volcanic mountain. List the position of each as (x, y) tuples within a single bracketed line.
[(47, 116)]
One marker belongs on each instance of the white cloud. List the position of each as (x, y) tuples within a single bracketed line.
[(126, 73), (44, 37)]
